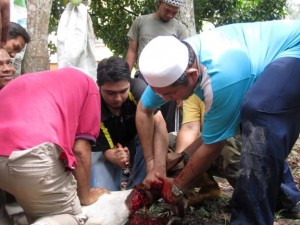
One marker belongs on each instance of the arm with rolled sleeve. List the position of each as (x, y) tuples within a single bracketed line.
[(87, 133), (193, 113)]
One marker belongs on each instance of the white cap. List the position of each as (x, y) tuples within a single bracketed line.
[(163, 60), (176, 3)]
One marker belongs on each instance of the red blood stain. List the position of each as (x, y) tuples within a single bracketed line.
[(141, 198)]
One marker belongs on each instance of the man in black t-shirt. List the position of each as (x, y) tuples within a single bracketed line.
[(118, 147)]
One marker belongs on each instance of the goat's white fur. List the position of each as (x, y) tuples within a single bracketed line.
[(109, 209)]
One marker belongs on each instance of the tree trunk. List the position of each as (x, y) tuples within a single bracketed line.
[(36, 56), (187, 16)]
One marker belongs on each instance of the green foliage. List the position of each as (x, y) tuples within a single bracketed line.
[(57, 9), (113, 18), (202, 212), (52, 48), (221, 12)]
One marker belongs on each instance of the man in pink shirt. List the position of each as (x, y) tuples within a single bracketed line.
[(48, 121)]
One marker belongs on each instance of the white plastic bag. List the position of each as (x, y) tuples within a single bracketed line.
[(76, 40)]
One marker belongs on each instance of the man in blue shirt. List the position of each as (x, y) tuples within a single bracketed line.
[(245, 73)]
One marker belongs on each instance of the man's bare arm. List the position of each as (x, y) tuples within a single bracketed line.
[(153, 135), (82, 173), (201, 160), (4, 20), (160, 143), (145, 129), (188, 133), (131, 55)]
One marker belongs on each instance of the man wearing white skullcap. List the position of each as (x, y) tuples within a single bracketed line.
[(246, 74), (146, 27), (176, 3), (168, 66)]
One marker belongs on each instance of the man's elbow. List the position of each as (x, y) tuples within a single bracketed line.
[(158, 117), (82, 147)]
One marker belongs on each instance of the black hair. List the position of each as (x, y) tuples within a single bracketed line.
[(112, 69), (16, 30), (183, 79)]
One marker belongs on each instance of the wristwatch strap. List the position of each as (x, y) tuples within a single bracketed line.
[(176, 191), (186, 157)]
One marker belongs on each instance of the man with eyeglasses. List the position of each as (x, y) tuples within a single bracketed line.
[(246, 73)]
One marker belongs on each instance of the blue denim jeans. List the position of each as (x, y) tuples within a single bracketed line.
[(271, 125), (107, 175)]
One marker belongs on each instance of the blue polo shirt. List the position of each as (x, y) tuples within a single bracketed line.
[(234, 56)]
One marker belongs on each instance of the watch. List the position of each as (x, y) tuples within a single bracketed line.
[(176, 191)]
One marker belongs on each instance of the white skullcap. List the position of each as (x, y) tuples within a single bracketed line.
[(176, 3), (163, 60)]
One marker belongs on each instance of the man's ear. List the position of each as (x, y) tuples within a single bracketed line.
[(193, 73)]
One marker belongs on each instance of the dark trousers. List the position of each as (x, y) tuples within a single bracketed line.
[(271, 124)]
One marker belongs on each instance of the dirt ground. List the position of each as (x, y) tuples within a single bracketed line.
[(214, 212)]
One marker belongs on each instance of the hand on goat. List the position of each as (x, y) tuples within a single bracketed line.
[(151, 181), (94, 194), (178, 202)]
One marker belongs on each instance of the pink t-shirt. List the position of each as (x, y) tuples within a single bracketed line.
[(50, 106)]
